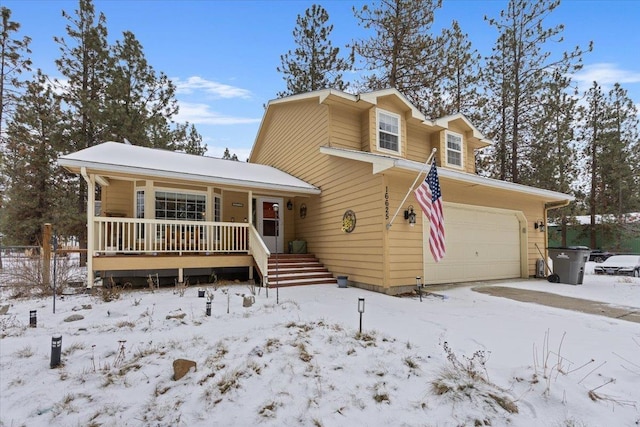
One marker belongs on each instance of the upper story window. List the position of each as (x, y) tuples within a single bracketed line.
[(454, 149), (388, 131)]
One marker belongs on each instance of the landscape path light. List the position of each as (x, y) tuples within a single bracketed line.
[(33, 319), (56, 350), (361, 310), (419, 286)]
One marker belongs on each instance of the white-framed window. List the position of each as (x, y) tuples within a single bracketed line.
[(140, 212), (454, 149), (180, 206), (388, 125)]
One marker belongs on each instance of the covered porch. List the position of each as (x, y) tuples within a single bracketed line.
[(151, 209)]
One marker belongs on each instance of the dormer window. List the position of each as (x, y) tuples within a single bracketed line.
[(388, 131), (454, 149)]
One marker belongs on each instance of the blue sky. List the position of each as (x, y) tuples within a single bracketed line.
[(223, 54)]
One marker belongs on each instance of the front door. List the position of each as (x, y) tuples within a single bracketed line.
[(269, 223)]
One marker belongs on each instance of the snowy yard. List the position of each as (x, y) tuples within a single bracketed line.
[(462, 359)]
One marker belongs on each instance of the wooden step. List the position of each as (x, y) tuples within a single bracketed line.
[(298, 269)]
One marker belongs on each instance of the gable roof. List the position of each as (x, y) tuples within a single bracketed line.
[(115, 157), (367, 100), (381, 162)]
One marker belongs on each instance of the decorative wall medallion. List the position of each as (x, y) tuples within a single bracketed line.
[(349, 221), (303, 210)]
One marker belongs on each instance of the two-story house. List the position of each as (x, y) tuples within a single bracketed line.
[(338, 166)]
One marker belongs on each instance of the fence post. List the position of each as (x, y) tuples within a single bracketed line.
[(46, 254)]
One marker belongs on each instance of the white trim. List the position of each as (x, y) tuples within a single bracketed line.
[(446, 149), (396, 116), (390, 162), (96, 167)]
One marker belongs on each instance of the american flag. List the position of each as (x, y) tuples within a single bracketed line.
[(429, 198)]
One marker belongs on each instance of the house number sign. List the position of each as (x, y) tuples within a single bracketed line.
[(386, 203)]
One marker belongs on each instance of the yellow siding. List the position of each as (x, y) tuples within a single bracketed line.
[(231, 213), (117, 199), (404, 243), (345, 128), (303, 128)]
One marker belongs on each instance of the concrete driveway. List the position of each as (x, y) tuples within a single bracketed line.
[(631, 314)]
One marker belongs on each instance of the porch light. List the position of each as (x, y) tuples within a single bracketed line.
[(539, 225), (410, 215), (289, 205)]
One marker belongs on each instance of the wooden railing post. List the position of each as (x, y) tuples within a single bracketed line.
[(46, 254)]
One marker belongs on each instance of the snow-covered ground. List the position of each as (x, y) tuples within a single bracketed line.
[(462, 359)]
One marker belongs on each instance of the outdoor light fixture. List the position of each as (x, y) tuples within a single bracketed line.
[(289, 205), (419, 286), (361, 310), (539, 225), (410, 215)]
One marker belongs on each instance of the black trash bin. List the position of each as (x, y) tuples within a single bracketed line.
[(568, 264)]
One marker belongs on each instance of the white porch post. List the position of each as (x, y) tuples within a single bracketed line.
[(250, 221), (91, 213)]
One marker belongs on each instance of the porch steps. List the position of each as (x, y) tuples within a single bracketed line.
[(298, 269)]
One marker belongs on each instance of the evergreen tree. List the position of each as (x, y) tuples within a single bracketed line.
[(314, 64), (188, 140), (516, 72), (14, 60), (459, 92), (85, 63), (553, 154), (228, 156), (619, 193), (137, 97), (402, 53), (34, 137), (593, 125)]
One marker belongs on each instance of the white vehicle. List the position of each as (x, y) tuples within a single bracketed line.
[(625, 265)]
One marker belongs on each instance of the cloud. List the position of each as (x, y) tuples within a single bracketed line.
[(219, 90), (202, 114), (606, 74)]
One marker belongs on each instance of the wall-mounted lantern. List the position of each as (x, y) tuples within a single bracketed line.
[(410, 215)]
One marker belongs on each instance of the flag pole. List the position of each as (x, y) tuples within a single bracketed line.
[(424, 167)]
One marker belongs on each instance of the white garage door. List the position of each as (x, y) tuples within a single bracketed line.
[(482, 244)]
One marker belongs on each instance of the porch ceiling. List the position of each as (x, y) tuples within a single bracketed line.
[(116, 158)]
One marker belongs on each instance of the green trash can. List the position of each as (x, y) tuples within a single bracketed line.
[(568, 264)]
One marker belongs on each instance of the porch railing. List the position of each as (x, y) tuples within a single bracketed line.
[(258, 249), (137, 236)]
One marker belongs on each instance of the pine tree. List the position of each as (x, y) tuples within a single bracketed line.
[(593, 125), (228, 156), (552, 152), (137, 97), (85, 63), (314, 64), (462, 75), (619, 193), (34, 137), (402, 53), (188, 140), (14, 60), (516, 72)]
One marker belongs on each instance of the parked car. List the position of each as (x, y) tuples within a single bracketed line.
[(598, 255), (626, 265)]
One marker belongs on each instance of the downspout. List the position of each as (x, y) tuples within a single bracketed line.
[(547, 208), (91, 191)]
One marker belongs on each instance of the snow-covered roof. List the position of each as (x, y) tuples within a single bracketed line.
[(114, 157)]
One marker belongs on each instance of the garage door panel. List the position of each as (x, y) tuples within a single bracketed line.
[(482, 244)]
